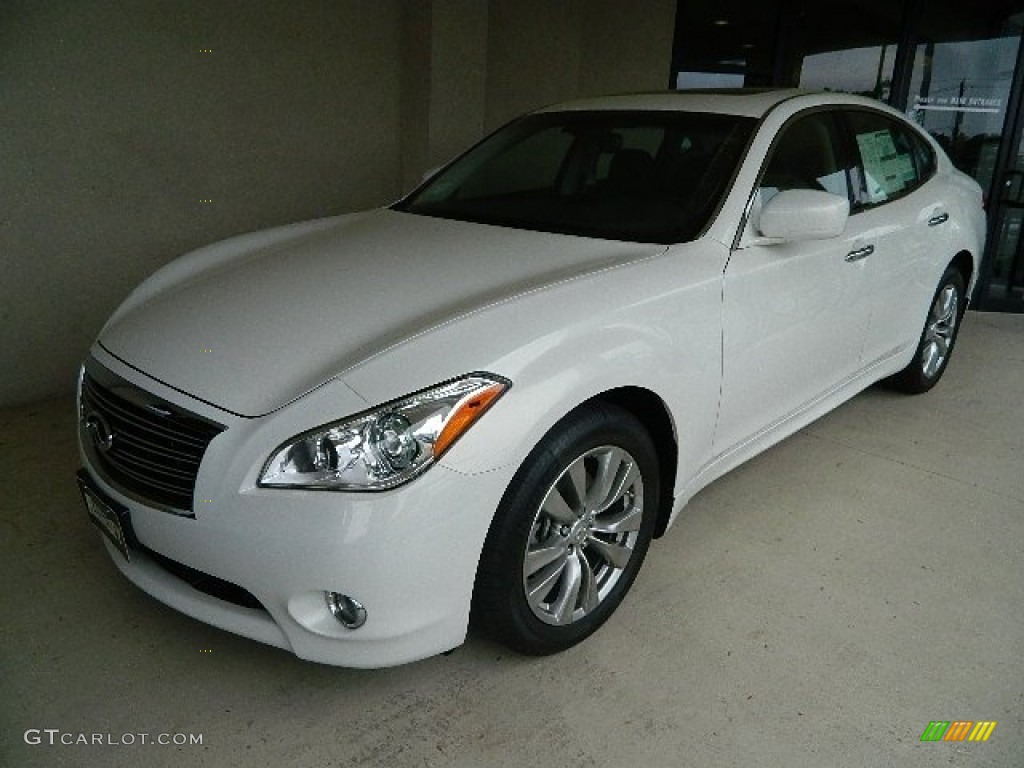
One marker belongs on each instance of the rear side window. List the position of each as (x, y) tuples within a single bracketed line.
[(924, 154), (892, 159)]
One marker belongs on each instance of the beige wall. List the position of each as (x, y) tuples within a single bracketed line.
[(541, 52), (115, 126)]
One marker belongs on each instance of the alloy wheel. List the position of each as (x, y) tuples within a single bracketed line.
[(583, 535), (939, 331)]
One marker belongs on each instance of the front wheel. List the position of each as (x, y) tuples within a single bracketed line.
[(570, 533), (937, 338)]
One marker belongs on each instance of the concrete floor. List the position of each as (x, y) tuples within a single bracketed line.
[(817, 607)]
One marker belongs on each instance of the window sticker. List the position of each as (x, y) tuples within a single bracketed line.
[(834, 182), (887, 172)]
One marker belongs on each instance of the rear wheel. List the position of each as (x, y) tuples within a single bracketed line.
[(937, 338), (570, 534)]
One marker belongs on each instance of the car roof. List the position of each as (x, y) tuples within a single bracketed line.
[(748, 102)]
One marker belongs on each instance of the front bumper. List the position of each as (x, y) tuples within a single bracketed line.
[(409, 555)]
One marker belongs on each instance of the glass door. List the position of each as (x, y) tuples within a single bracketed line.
[(962, 90), (956, 66), (1002, 289)]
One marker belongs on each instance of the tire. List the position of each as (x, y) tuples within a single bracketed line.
[(938, 337), (554, 566)]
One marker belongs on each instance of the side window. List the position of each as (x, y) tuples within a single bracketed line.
[(892, 160), (807, 155), (924, 155)]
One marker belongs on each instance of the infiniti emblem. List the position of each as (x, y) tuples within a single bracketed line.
[(99, 431)]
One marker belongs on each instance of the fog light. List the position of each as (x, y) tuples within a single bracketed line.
[(348, 611)]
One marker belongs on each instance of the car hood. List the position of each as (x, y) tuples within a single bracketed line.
[(253, 332)]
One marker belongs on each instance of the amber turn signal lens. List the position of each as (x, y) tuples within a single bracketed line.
[(465, 413)]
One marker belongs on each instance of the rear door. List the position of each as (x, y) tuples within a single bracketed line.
[(906, 218)]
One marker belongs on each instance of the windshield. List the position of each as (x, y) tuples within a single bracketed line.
[(638, 176)]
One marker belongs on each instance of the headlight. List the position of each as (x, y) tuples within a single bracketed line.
[(387, 446)]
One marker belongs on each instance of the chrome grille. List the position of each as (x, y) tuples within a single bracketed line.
[(142, 445)]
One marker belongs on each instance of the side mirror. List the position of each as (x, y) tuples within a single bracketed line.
[(804, 214)]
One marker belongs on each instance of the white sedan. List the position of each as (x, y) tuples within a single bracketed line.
[(354, 437)]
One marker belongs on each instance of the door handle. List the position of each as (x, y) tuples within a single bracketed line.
[(860, 253), (940, 218)]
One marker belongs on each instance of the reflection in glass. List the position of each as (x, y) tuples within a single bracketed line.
[(708, 80), (958, 92), (1008, 267), (865, 71)]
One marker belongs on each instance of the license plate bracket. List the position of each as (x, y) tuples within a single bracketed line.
[(111, 518)]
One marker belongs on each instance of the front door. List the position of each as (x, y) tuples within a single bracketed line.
[(794, 314)]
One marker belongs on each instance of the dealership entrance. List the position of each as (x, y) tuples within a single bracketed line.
[(957, 68)]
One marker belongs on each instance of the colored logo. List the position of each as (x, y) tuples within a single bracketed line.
[(958, 730)]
